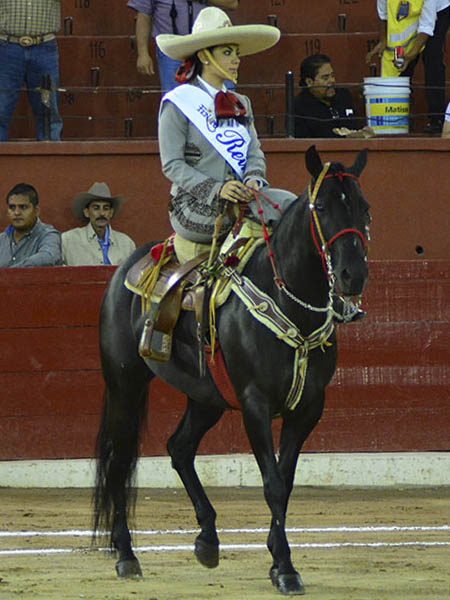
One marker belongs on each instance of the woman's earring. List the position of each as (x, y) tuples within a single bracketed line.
[(206, 62)]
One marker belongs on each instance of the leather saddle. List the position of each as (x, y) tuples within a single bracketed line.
[(165, 287)]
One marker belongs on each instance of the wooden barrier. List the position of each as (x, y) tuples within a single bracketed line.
[(390, 392)]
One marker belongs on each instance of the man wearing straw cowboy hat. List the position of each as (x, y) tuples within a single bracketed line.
[(96, 243), (208, 143)]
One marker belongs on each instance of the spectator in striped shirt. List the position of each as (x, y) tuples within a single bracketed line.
[(28, 52)]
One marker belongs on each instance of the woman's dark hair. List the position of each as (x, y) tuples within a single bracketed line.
[(311, 65), (24, 189), (190, 68)]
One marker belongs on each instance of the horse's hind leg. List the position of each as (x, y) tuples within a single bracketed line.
[(182, 447), (124, 412)]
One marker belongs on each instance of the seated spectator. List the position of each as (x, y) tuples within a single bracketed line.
[(446, 127), (96, 243), (321, 107), (28, 242)]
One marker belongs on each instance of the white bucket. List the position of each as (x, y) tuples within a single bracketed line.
[(387, 104)]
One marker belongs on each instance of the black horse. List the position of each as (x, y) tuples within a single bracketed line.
[(319, 244)]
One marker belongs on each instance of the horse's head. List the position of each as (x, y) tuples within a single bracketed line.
[(340, 219)]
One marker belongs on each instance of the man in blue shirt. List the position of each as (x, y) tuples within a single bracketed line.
[(28, 242)]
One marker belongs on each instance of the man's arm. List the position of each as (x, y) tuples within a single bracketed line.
[(48, 253), (227, 4), (381, 46), (414, 51), (143, 29)]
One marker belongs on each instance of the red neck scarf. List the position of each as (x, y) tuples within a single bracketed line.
[(227, 106)]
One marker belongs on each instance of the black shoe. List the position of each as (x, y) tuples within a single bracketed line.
[(433, 127)]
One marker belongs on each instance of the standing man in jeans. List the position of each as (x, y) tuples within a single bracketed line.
[(166, 16), (28, 51), (419, 27)]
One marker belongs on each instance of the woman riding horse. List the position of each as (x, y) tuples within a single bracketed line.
[(208, 143)]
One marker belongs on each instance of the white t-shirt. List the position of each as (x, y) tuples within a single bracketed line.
[(447, 113), (427, 17)]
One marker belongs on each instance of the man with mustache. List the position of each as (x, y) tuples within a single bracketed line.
[(96, 243), (322, 109), (27, 242)]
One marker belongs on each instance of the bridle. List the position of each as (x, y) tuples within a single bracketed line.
[(315, 226), (321, 244)]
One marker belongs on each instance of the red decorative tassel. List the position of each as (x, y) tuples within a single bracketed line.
[(184, 71), (156, 251), (231, 261), (227, 106)]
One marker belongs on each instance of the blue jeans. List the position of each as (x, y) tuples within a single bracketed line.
[(25, 66), (168, 67)]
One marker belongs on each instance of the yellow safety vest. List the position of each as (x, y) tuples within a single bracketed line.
[(402, 24)]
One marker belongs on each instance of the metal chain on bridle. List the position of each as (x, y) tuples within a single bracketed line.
[(321, 244)]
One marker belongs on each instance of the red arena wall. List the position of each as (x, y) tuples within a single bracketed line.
[(390, 392)]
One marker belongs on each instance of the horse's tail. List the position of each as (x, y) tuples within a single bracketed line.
[(116, 451)]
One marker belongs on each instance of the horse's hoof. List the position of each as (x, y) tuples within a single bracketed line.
[(289, 584), (128, 569), (207, 554)]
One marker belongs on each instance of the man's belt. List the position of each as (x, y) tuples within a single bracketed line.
[(28, 40)]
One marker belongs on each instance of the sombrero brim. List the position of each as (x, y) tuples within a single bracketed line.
[(82, 200), (250, 38)]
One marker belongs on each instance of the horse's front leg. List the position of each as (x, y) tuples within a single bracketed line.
[(296, 428), (182, 447), (257, 422)]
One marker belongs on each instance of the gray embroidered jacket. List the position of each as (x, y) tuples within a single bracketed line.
[(197, 172)]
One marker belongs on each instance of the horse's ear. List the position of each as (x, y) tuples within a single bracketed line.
[(313, 162), (360, 163)]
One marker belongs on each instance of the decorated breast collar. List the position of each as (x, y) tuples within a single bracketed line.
[(229, 138)]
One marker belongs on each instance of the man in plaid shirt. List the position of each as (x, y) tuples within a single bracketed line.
[(28, 51)]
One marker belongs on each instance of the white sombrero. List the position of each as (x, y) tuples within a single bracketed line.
[(213, 27)]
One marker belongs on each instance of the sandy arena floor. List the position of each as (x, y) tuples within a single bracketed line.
[(395, 546)]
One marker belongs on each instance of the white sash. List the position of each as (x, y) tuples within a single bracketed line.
[(229, 138)]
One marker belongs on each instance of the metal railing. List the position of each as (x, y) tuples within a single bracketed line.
[(131, 112)]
